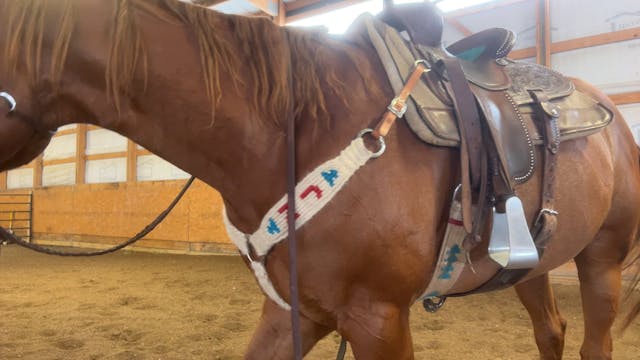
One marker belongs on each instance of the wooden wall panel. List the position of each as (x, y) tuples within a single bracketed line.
[(3, 181), (103, 214)]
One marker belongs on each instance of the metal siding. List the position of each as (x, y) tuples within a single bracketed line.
[(613, 67), (519, 18), (571, 19), (631, 113)]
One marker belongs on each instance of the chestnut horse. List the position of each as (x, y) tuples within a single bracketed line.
[(211, 92)]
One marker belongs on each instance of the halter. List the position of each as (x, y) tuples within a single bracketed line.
[(9, 99)]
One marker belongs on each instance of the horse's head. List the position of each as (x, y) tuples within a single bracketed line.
[(22, 136), (26, 87), (34, 48)]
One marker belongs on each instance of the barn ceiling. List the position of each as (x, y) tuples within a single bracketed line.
[(292, 9)]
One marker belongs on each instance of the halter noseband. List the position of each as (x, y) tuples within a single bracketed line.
[(9, 99)]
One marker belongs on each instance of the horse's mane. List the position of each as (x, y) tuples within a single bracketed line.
[(24, 35), (260, 40)]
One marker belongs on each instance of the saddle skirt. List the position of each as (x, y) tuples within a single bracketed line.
[(503, 82)]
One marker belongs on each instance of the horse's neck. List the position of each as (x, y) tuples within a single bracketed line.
[(236, 152)]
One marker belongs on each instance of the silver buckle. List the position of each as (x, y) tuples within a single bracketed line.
[(397, 107), (542, 212)]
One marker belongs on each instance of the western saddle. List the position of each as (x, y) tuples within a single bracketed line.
[(497, 111)]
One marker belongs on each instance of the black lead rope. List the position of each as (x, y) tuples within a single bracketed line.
[(291, 221), (342, 350), (6, 235)]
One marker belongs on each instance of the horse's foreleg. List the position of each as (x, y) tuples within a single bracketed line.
[(599, 270), (548, 325), (273, 339), (377, 331)]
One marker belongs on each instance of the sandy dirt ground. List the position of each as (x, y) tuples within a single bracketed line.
[(149, 306)]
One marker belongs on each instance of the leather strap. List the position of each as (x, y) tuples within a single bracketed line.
[(291, 223), (546, 221), (545, 224), (399, 104), (470, 131)]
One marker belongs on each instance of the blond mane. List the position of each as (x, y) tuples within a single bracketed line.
[(266, 44)]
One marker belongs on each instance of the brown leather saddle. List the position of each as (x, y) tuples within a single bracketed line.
[(497, 111), (496, 81)]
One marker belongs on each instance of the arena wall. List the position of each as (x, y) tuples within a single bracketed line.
[(101, 215)]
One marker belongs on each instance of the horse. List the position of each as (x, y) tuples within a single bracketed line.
[(211, 93)]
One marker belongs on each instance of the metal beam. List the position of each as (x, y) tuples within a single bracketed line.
[(596, 40), (281, 18), (626, 98)]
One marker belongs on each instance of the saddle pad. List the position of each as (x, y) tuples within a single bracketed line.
[(430, 114), (398, 61)]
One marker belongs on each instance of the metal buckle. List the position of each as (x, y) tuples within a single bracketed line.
[(9, 99), (381, 142), (542, 212), (433, 304), (424, 63), (398, 107)]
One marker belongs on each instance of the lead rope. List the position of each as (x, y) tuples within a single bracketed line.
[(291, 219), (342, 350), (41, 249)]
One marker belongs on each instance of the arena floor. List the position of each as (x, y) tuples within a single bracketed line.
[(147, 306)]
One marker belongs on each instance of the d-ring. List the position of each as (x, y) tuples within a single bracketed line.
[(9, 99), (383, 146)]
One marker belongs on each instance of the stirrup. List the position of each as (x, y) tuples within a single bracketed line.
[(511, 244)]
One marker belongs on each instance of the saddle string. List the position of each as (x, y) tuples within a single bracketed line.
[(6, 235)]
